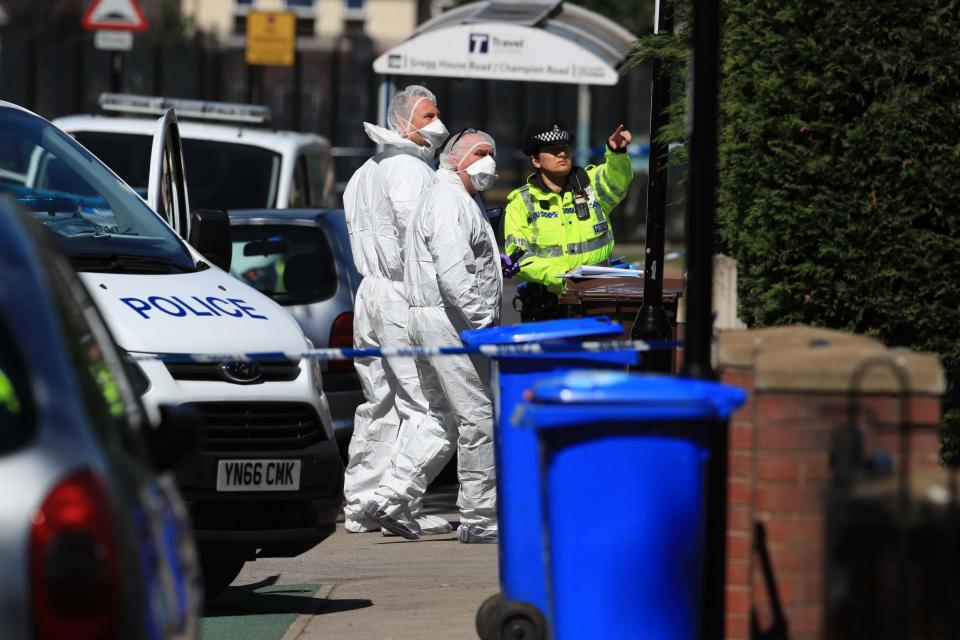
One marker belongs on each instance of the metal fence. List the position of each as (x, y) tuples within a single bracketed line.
[(330, 90)]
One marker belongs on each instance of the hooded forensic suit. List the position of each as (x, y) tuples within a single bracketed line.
[(379, 201), (453, 282)]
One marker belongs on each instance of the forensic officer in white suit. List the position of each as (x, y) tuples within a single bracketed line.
[(453, 283), (379, 201)]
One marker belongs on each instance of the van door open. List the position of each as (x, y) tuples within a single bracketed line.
[(167, 186)]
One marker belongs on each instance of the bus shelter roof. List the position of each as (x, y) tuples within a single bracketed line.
[(529, 41)]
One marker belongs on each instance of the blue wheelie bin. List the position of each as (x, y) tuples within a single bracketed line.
[(518, 483), (628, 470)]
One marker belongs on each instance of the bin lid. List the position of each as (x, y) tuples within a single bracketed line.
[(648, 397), (571, 330)]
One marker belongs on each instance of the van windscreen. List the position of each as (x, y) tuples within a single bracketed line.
[(220, 175), (98, 221)]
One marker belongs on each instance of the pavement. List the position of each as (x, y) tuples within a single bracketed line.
[(362, 587)]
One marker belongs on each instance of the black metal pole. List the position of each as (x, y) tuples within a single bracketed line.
[(251, 81), (297, 90), (652, 322), (116, 71), (715, 548), (79, 86), (701, 194)]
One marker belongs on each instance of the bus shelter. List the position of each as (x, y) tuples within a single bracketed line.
[(528, 41)]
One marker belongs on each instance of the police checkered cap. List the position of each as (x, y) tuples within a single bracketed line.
[(540, 135), (451, 155), (403, 105)]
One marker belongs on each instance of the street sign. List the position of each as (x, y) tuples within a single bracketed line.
[(496, 51), (271, 38), (122, 15), (113, 40)]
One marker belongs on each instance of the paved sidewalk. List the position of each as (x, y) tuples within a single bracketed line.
[(377, 588)]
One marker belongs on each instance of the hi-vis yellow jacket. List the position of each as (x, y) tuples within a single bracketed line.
[(545, 224)]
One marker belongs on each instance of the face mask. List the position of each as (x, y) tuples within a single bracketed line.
[(435, 132), (483, 173)]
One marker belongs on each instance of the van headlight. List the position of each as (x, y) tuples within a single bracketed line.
[(316, 369)]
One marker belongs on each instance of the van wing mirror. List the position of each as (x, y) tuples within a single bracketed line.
[(210, 235)]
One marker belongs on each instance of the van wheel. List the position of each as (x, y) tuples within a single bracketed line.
[(217, 576)]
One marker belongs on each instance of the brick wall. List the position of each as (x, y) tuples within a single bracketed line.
[(799, 382)]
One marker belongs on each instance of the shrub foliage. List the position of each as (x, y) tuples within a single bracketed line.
[(840, 169)]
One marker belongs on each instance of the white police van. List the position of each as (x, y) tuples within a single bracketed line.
[(235, 160), (267, 479)]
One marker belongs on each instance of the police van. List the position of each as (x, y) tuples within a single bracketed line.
[(236, 160), (267, 478)]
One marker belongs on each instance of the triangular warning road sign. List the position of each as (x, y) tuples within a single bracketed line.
[(114, 14)]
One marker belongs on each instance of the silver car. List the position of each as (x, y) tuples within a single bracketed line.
[(93, 541), (301, 258)]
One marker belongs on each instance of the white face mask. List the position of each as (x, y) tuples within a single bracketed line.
[(483, 173), (434, 132)]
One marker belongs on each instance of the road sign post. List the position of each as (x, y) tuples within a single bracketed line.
[(119, 15), (114, 22)]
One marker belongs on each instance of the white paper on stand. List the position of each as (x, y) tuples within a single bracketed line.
[(594, 271)]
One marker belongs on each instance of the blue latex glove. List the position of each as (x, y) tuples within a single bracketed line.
[(510, 267)]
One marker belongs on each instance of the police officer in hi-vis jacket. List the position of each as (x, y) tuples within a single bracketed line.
[(559, 219)]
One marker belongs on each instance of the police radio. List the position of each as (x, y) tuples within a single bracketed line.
[(581, 204)]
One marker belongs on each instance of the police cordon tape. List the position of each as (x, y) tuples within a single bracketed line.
[(489, 350)]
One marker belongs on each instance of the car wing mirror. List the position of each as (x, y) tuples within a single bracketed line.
[(210, 235), (175, 438)]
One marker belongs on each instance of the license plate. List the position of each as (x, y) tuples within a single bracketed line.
[(258, 475)]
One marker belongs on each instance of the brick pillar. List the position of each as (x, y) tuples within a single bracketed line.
[(799, 380)]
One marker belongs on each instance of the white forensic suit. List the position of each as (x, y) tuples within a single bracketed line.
[(453, 279), (379, 201)]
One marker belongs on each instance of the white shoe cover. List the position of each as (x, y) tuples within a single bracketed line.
[(360, 526), (478, 534), (433, 525), (429, 526)]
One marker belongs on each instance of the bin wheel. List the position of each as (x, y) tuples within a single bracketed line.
[(487, 617), (521, 621)]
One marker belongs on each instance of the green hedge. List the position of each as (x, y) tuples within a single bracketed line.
[(840, 170)]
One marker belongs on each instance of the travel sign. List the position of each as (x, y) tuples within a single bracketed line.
[(496, 51)]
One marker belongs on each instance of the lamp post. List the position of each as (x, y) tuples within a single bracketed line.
[(701, 202), (702, 189), (652, 322)]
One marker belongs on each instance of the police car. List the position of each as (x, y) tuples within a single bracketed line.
[(268, 478), (95, 541), (234, 160)]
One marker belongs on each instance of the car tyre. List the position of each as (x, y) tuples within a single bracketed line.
[(217, 576)]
